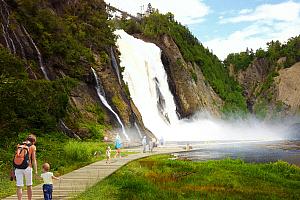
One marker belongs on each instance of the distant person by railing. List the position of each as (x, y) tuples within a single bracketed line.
[(161, 141)]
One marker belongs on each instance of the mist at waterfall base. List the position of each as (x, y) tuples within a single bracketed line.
[(147, 82)]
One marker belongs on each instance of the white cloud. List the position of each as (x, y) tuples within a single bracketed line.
[(186, 12), (285, 11), (245, 11), (266, 22)]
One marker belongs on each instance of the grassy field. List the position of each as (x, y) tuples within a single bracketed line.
[(63, 154), (160, 178)]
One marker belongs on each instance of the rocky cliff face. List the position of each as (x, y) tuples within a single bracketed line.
[(252, 78), (85, 107), (287, 87), (270, 90), (191, 91)]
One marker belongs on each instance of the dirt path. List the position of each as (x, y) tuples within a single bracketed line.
[(79, 180)]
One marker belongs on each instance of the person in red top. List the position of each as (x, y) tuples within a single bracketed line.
[(20, 173)]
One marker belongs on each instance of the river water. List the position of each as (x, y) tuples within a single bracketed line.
[(250, 151)]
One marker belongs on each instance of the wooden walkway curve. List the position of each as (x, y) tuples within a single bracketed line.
[(79, 180)]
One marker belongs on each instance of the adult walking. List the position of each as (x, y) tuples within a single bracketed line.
[(161, 141), (152, 144), (118, 145), (24, 163), (144, 143)]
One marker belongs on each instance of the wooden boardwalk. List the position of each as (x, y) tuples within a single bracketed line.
[(79, 180)]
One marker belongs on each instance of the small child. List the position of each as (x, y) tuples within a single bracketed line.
[(48, 184), (108, 150)]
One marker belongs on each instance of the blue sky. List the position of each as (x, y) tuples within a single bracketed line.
[(227, 26), (211, 28)]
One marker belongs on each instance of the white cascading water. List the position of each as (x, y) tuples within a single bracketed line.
[(147, 81), (115, 64), (101, 96), (20, 44), (5, 29), (66, 129), (143, 73), (38, 54), (5, 37), (138, 130)]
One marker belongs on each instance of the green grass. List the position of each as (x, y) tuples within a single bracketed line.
[(63, 154), (159, 177)]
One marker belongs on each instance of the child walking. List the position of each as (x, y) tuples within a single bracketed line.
[(48, 184), (108, 151)]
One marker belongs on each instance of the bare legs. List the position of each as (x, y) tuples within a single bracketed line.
[(29, 192), (118, 153), (19, 193)]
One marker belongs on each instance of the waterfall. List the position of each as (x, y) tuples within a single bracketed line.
[(148, 85), (4, 19), (5, 29), (67, 130), (38, 53), (5, 38), (9, 42), (13, 45), (20, 44), (161, 102), (101, 95), (138, 129), (147, 81), (115, 64)]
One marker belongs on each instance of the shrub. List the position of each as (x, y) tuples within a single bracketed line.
[(11, 66), (194, 76), (240, 60), (96, 131), (98, 111), (119, 103), (79, 151)]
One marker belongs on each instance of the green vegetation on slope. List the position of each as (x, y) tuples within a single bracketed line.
[(29, 104), (192, 50), (67, 35), (67, 40), (276, 57), (10, 66), (160, 178), (240, 60), (275, 50)]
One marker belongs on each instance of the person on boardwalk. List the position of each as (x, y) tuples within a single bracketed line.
[(24, 162), (108, 151), (48, 184), (144, 143), (151, 145), (118, 145), (161, 141)]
